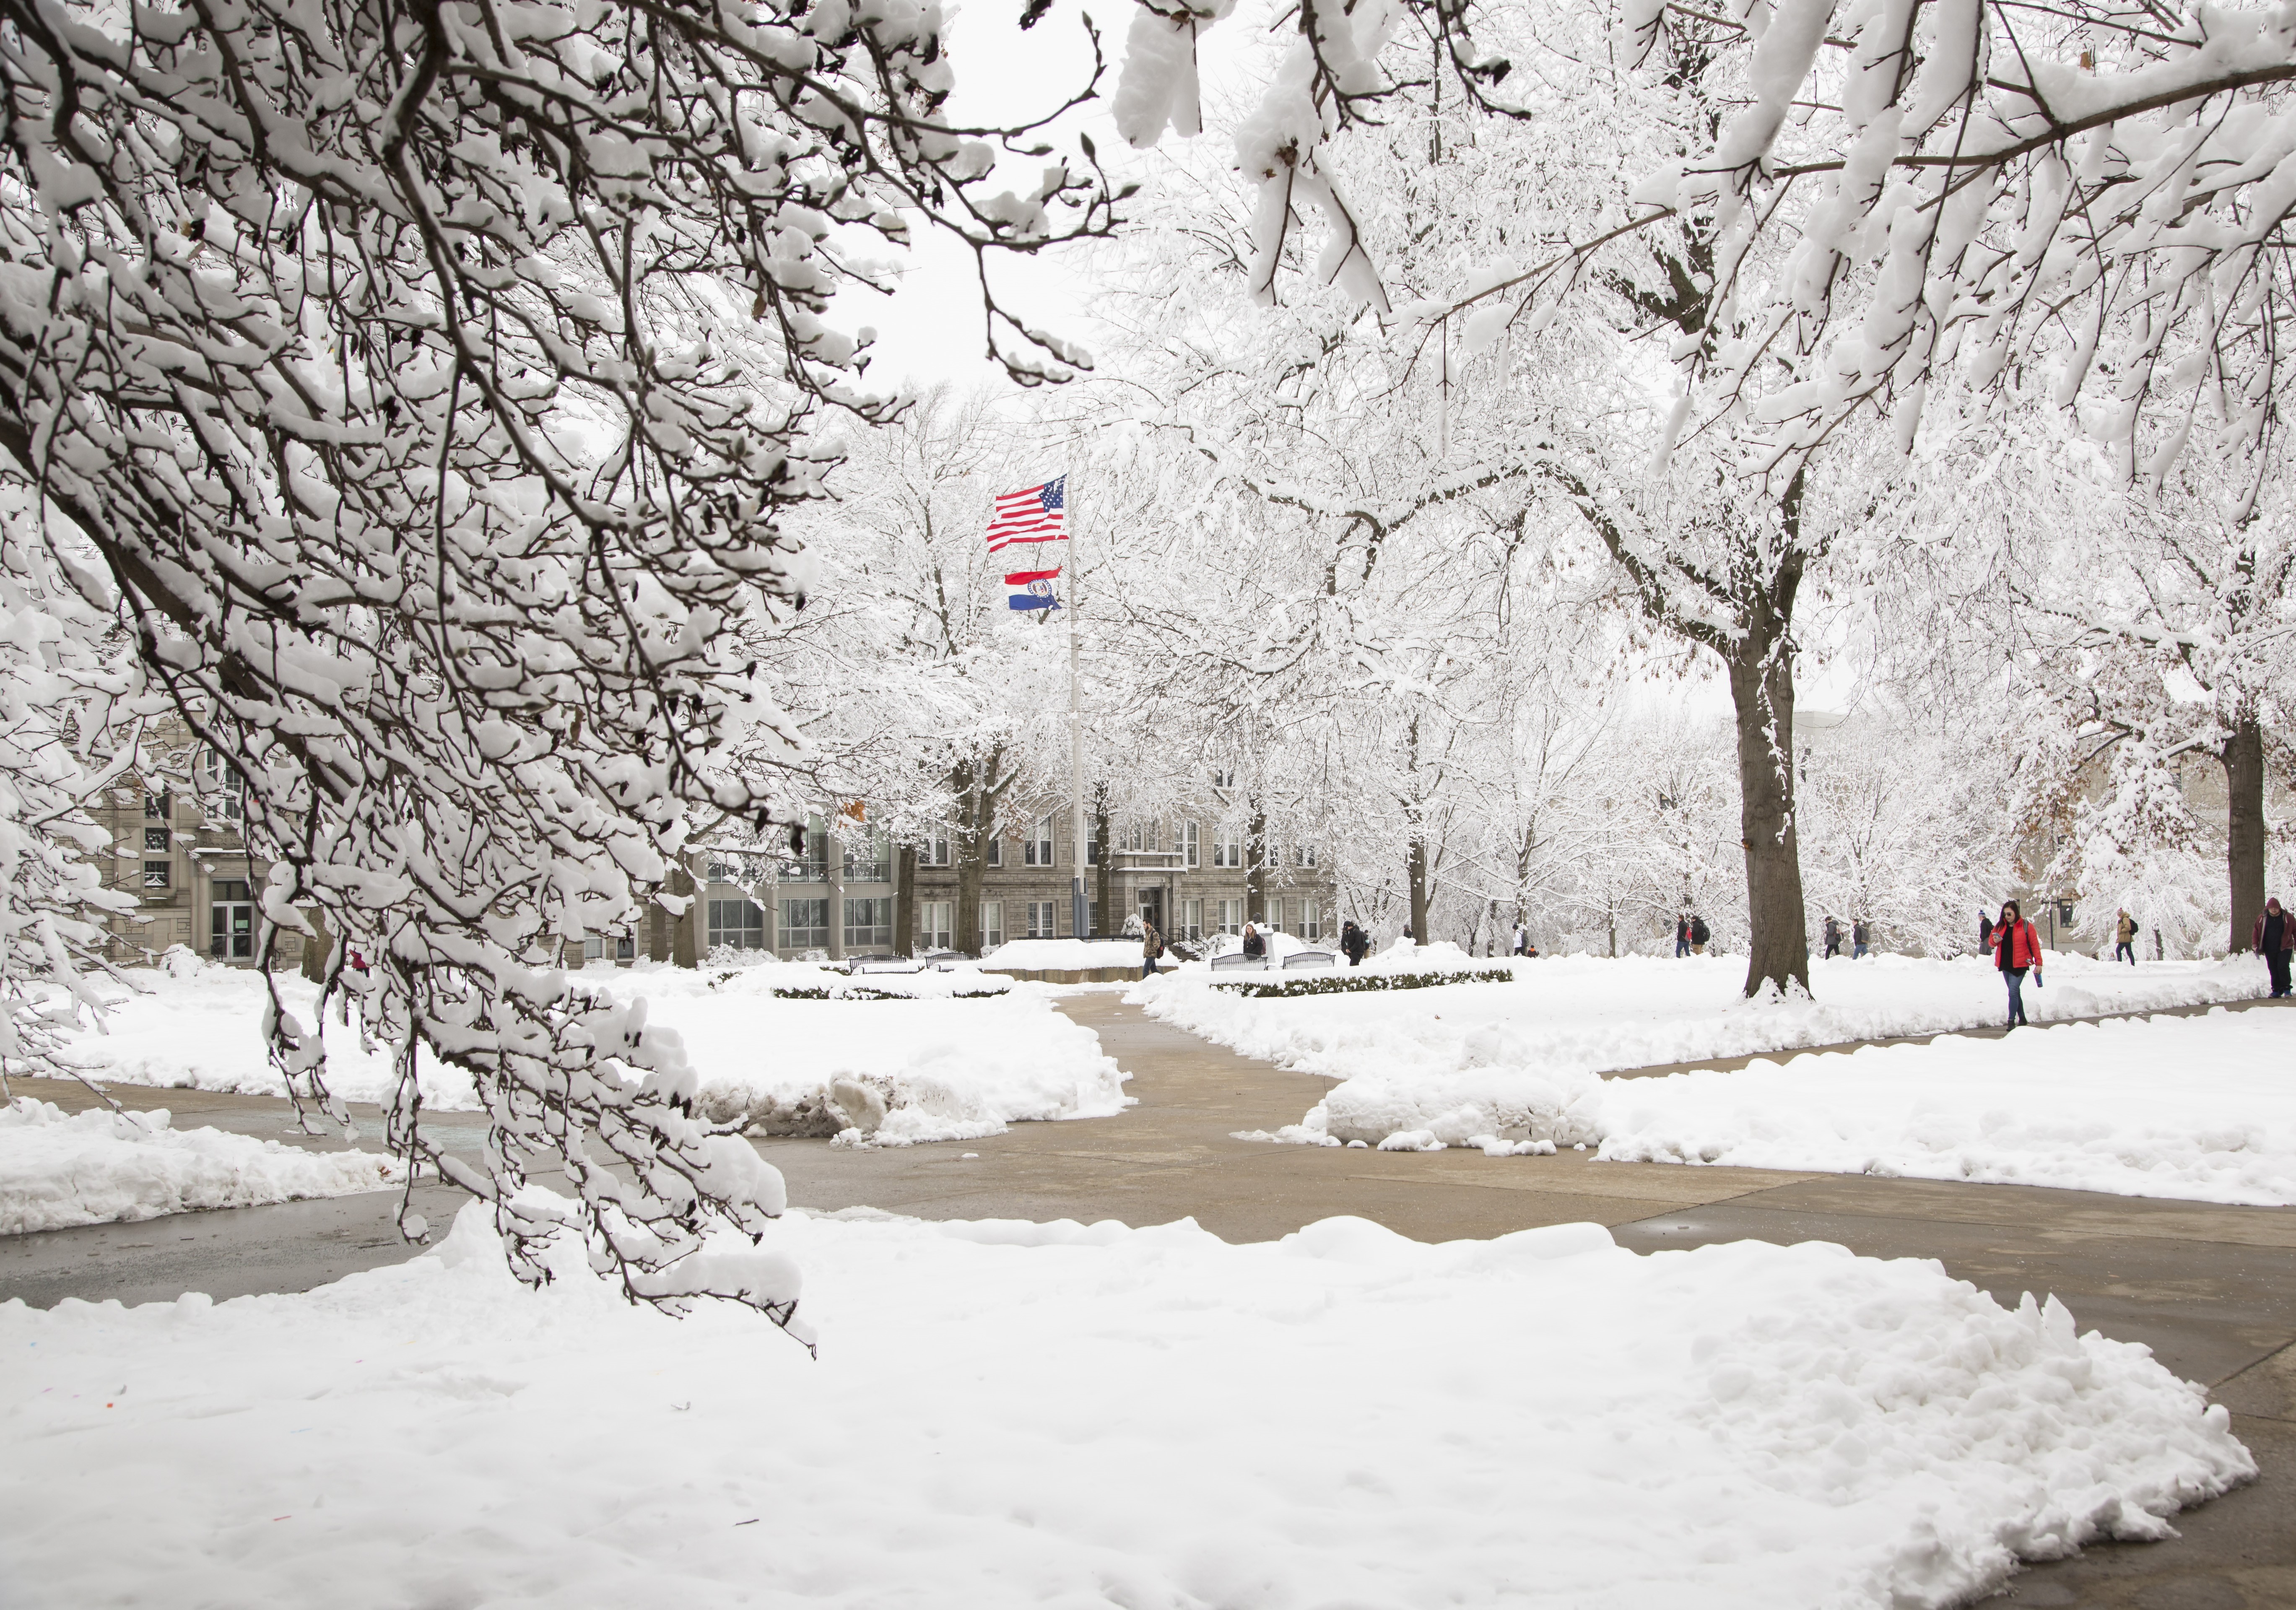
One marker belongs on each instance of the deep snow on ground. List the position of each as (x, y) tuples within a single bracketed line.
[(1009, 1414), (2202, 1108), (2186, 1107), (934, 1068), (98, 1167)]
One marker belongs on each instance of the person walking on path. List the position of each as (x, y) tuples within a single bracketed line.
[(2015, 949), (1152, 945), (1682, 936), (2275, 937), (1984, 933), (1699, 934), (1861, 935), (1521, 939), (2124, 936), (1354, 942), (1833, 939), (1255, 943)]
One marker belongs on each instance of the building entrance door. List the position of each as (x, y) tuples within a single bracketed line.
[(1152, 908)]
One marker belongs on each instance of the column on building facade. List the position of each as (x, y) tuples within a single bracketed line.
[(834, 870)]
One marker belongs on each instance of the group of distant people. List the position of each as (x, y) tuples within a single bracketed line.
[(1861, 938), (1691, 934)]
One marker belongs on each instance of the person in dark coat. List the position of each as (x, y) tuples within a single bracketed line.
[(1699, 934), (1985, 933), (2015, 949), (1152, 947), (2275, 937), (1861, 936), (1354, 942), (1255, 943), (1833, 939)]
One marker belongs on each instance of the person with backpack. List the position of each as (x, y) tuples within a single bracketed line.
[(2273, 938), (1833, 939), (1699, 934), (1861, 936), (2016, 948), (1152, 947), (1354, 942), (2124, 936)]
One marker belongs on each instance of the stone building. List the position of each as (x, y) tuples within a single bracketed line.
[(178, 851)]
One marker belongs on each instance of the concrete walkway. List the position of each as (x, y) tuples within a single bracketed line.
[(2211, 1289)]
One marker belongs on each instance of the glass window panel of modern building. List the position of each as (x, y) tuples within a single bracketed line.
[(805, 925), (738, 923), (869, 858), (868, 924)]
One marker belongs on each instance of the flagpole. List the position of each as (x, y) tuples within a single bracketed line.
[(1080, 911)]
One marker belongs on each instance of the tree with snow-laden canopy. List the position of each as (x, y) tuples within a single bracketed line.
[(1826, 215), (430, 380)]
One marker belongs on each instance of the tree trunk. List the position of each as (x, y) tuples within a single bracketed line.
[(316, 944), (2243, 764), (905, 899), (1761, 689), (686, 930), (1255, 866), (972, 782), (1104, 840), (657, 931), (1417, 868)]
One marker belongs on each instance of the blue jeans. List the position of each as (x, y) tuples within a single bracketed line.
[(2015, 976), (1681, 947), (1147, 967), (1857, 951)]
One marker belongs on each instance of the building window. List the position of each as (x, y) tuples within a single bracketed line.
[(936, 850), (156, 840), (805, 925), (1311, 920), (996, 851), (1092, 848), (155, 875), (1273, 905), (1135, 839), (219, 788), (870, 859), (1091, 914), (1231, 917), (1192, 920), (992, 923), (1036, 851), (1224, 778), (1043, 915), (1227, 847), (935, 921), (155, 805), (230, 920), (1192, 843), (737, 923), (869, 924)]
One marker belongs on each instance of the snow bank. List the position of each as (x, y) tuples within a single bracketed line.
[(2201, 1108), (97, 1167), (937, 1067), (1515, 1067), (1056, 1415), (1062, 955)]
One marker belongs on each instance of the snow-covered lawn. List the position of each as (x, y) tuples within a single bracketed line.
[(2195, 1108), (97, 1167), (1008, 1414), (937, 1067)]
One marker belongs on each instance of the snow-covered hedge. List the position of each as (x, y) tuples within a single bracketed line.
[(1351, 982)]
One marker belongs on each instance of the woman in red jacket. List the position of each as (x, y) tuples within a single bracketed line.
[(2015, 948)]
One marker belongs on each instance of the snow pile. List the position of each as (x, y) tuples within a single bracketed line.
[(1056, 1415), (2201, 1108), (98, 1167), (937, 1067), (1062, 955)]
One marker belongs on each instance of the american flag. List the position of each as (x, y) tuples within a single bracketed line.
[(1033, 515)]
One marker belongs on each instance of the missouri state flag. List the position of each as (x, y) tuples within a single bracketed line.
[(1022, 528)]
